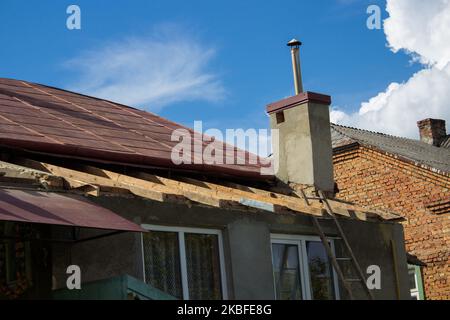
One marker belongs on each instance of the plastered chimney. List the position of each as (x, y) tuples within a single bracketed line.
[(304, 151)]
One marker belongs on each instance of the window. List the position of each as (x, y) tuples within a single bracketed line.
[(415, 282), (184, 262), (287, 273), (320, 271), (280, 117), (302, 270), (14, 253)]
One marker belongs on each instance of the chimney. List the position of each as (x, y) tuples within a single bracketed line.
[(432, 131), (304, 152), (297, 71)]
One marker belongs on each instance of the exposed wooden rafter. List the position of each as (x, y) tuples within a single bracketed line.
[(92, 180)]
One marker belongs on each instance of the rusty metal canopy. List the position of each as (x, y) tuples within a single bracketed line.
[(59, 209)]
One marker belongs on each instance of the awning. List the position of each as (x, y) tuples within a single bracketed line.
[(59, 209)]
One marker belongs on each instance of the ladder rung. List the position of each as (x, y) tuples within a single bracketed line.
[(344, 259), (314, 198), (326, 218)]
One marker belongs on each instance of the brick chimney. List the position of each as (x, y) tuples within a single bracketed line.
[(432, 131), (303, 154)]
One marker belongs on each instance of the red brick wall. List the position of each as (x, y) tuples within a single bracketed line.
[(422, 197)]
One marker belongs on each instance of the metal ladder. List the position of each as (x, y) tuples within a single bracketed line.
[(347, 282)]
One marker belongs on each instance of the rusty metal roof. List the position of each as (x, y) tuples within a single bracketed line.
[(48, 120), (58, 209)]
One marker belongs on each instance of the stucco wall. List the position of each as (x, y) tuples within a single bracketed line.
[(247, 250)]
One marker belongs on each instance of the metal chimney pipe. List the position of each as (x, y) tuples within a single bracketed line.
[(295, 53)]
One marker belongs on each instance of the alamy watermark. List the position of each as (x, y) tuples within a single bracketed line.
[(374, 20), (74, 280), (198, 147), (73, 21), (374, 279)]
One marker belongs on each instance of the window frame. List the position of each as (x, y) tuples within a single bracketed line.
[(305, 278), (181, 231), (418, 291)]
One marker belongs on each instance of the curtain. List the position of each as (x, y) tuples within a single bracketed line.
[(162, 262), (203, 266)]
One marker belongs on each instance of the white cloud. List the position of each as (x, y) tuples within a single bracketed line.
[(422, 29), (149, 72)]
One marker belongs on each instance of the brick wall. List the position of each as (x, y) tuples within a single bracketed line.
[(422, 197)]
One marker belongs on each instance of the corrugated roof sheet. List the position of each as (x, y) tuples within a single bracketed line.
[(414, 150), (46, 119)]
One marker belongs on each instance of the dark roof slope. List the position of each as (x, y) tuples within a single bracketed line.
[(44, 119), (420, 153)]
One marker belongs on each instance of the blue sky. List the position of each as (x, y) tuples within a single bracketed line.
[(237, 48)]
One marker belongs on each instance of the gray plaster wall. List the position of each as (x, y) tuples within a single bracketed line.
[(251, 260), (247, 247)]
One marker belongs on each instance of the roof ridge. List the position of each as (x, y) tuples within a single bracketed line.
[(366, 130), (51, 87), (412, 149), (73, 92), (333, 126), (373, 132)]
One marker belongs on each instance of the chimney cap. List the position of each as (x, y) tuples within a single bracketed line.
[(294, 43)]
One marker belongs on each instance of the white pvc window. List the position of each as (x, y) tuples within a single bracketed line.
[(187, 263), (302, 270), (415, 282)]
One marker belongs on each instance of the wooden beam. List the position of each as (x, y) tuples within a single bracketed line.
[(205, 198), (14, 171), (74, 175), (282, 205), (290, 203), (295, 203), (86, 188), (187, 190)]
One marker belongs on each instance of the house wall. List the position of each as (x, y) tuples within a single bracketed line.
[(247, 247), (370, 178)]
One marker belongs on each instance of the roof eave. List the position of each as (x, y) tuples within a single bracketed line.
[(135, 160)]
